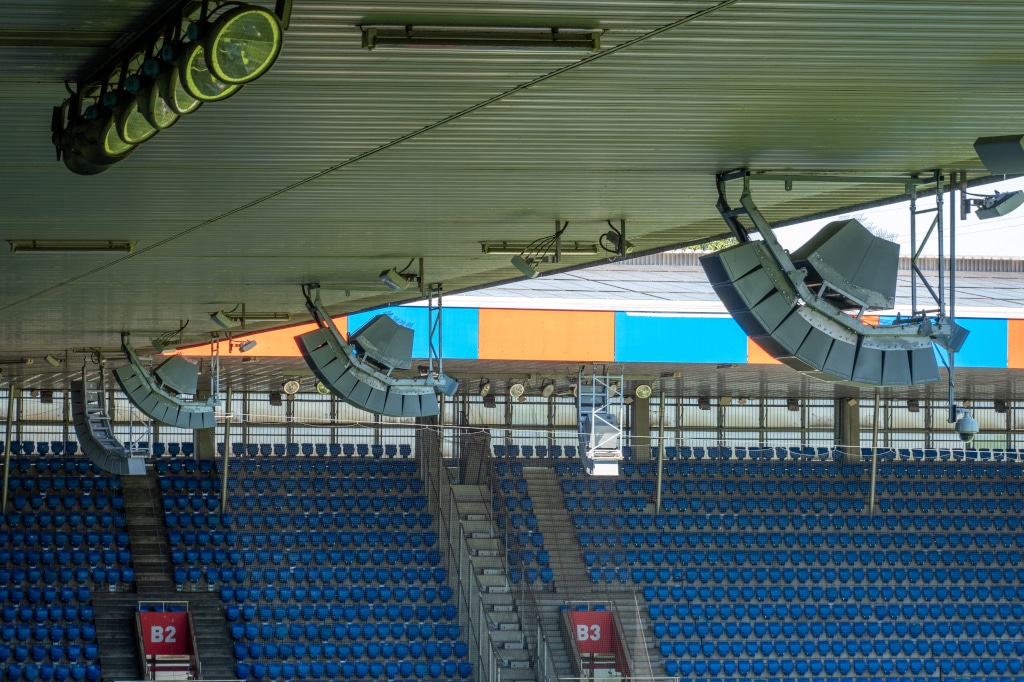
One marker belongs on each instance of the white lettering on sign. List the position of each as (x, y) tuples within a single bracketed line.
[(585, 632), (159, 634)]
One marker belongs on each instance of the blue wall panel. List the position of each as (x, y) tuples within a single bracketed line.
[(987, 345), (461, 329), (658, 338)]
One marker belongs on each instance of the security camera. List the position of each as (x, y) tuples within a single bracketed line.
[(966, 426)]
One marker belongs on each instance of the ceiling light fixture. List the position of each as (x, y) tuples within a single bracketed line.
[(481, 37), (614, 240), (70, 246)]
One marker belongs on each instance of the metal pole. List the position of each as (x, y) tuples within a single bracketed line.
[(11, 406), (227, 451), (941, 239), (874, 455), (661, 445)]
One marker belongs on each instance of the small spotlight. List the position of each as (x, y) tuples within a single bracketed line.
[(612, 242), (643, 391), (517, 390), (291, 387), (246, 346), (742, 401), (53, 361), (393, 279), (548, 389), (485, 388), (243, 44), (322, 389), (525, 266), (221, 319)]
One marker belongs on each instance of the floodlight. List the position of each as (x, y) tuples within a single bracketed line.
[(243, 44), (53, 360), (393, 279), (966, 426), (198, 80), (154, 106), (548, 389), (490, 401), (525, 266), (485, 388), (703, 403), (173, 93), (1000, 406), (517, 389), (913, 405), (221, 319), (322, 389), (725, 400), (291, 387), (275, 398), (246, 346), (793, 404), (132, 126), (643, 391), (997, 205)]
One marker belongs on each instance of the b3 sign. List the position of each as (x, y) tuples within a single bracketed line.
[(165, 633), (593, 631)]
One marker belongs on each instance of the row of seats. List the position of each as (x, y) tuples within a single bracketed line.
[(529, 451), (391, 450), (327, 596), (44, 466), (340, 465), (682, 670), (392, 670), (322, 503), (42, 447), (45, 672), (45, 595), (58, 521), (324, 581), (54, 501), (86, 484), (825, 615), (372, 538)]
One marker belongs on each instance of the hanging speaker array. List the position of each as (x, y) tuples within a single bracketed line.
[(805, 308), (95, 435), (359, 370), (154, 394)]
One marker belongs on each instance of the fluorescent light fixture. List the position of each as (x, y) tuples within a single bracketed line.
[(525, 266), (243, 44), (70, 246), (246, 346), (999, 204), (245, 316), (481, 37), (517, 248), (393, 279), (53, 361), (221, 319)]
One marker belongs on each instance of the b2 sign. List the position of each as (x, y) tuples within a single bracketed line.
[(165, 633), (593, 631)]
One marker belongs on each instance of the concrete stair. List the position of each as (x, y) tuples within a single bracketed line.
[(566, 556)]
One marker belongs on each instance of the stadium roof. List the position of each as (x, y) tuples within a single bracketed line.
[(342, 162)]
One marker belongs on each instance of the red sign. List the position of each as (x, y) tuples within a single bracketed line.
[(165, 633), (593, 631)]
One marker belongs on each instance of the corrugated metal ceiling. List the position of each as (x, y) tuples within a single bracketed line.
[(432, 152)]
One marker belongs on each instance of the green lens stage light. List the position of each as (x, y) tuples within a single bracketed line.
[(169, 83), (243, 44), (198, 80), (132, 126), (154, 107)]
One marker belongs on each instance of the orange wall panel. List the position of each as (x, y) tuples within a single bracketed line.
[(759, 356), (1015, 344), (273, 343), (576, 336)]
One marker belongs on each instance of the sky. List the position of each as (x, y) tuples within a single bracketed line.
[(997, 237)]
